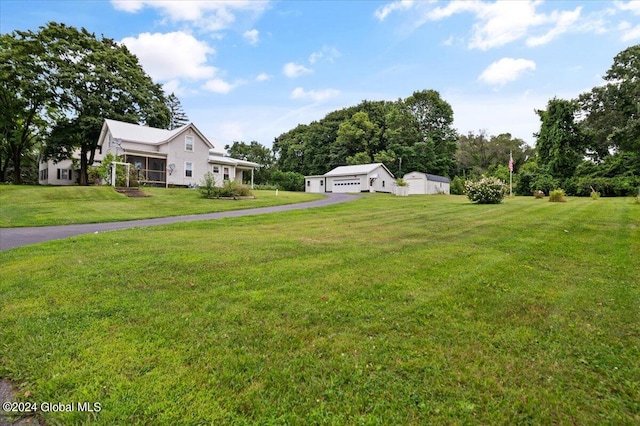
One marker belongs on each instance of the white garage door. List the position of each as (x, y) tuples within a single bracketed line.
[(347, 185)]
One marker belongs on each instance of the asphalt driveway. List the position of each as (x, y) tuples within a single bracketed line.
[(17, 237)]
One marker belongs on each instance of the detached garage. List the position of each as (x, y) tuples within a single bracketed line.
[(423, 183), (363, 177)]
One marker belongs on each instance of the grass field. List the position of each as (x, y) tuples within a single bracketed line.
[(384, 310), (55, 205)]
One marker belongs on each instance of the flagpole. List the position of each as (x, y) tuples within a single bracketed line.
[(510, 173)]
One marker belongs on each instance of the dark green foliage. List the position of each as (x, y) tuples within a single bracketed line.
[(257, 153), (288, 181), (78, 80), (560, 143), (479, 154), (417, 130), (457, 186)]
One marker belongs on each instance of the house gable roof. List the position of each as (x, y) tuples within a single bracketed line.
[(146, 135), (359, 169)]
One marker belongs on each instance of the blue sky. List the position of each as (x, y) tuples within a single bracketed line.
[(251, 70)]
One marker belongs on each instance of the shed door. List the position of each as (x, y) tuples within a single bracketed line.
[(346, 185)]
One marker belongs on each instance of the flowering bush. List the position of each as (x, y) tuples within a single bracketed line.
[(538, 194), (488, 190)]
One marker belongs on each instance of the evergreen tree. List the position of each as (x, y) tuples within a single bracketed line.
[(177, 116)]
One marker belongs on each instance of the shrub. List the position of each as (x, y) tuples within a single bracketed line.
[(229, 189), (488, 190), (457, 186), (538, 194), (208, 186), (595, 195), (288, 181), (401, 182), (557, 196)]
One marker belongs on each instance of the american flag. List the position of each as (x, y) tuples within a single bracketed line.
[(511, 162)]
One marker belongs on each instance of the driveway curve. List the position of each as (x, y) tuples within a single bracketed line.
[(17, 237)]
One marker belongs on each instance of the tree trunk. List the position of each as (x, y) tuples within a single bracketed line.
[(84, 175), (16, 160)]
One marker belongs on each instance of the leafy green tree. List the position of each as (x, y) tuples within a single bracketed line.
[(24, 95), (561, 142), (257, 153), (177, 116), (354, 136), (359, 158), (613, 110), (81, 80)]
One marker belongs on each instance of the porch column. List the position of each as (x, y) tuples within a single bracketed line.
[(252, 178)]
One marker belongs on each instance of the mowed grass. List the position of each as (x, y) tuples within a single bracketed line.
[(51, 205), (384, 310)]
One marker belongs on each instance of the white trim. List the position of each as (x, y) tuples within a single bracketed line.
[(186, 169)]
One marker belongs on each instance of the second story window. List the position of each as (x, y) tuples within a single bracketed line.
[(188, 143)]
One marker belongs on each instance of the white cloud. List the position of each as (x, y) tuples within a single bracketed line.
[(263, 77), (564, 21), (206, 15), (382, 12), (327, 53), (293, 70), (188, 58), (218, 85), (497, 23), (506, 70), (173, 86), (633, 6), (629, 32), (314, 95), (130, 6), (252, 36)]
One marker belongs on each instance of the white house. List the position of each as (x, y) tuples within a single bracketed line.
[(423, 183), (179, 157), (363, 177)]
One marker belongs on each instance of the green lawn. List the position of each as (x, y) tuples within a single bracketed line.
[(51, 205), (384, 310)]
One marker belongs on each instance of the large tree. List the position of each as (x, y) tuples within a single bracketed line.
[(24, 94), (613, 109), (86, 80), (561, 142)]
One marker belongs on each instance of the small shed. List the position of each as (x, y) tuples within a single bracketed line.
[(424, 183), (373, 177)]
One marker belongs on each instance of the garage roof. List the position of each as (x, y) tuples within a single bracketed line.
[(360, 169)]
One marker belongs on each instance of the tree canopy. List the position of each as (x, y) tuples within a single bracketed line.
[(416, 131), (73, 81)]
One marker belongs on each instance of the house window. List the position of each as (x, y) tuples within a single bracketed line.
[(308, 183), (321, 183), (188, 143), (188, 169), (383, 184), (216, 169), (225, 175), (44, 174), (65, 174)]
